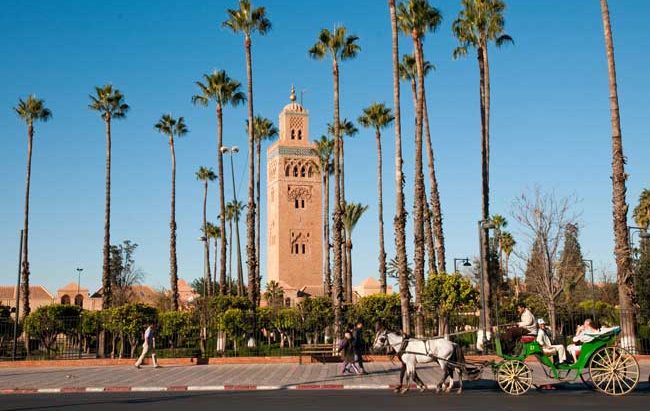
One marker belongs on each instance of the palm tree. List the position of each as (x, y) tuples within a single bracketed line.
[(206, 175), (508, 245), (323, 149), (263, 129), (500, 222), (274, 294), (109, 102), (479, 23), (346, 129), (248, 20), (214, 233), (30, 110), (378, 116), (233, 210), (642, 210), (416, 18), (409, 72), (399, 220), (171, 127), (224, 91), (622, 250), (340, 47), (353, 212)]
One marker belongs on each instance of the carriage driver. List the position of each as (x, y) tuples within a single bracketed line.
[(526, 326)]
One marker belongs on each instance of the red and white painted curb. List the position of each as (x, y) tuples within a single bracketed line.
[(180, 388)]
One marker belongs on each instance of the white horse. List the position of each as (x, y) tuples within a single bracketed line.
[(411, 351)]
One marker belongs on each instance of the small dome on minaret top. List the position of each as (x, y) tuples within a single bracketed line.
[(293, 106)]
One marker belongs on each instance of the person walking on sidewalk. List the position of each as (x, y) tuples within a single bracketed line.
[(359, 346), (149, 345), (346, 349)]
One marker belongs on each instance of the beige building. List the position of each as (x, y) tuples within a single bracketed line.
[(294, 193), (38, 296), (370, 286)]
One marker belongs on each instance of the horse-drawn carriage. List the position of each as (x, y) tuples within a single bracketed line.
[(601, 365)]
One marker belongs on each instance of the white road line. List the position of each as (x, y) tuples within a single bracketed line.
[(206, 388)]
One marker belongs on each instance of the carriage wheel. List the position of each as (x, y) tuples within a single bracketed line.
[(514, 377), (613, 371)]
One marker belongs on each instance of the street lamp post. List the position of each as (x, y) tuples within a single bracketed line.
[(590, 263), (79, 270), (232, 150), (465, 262)]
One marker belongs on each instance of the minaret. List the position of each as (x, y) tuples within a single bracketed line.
[(295, 229)]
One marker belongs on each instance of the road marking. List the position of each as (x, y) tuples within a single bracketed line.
[(148, 389), (205, 388), (48, 390)]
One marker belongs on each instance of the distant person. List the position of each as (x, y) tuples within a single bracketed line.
[(545, 341), (359, 346), (526, 326), (346, 349), (149, 345), (582, 336)]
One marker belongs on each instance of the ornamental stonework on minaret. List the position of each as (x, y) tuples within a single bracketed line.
[(294, 206)]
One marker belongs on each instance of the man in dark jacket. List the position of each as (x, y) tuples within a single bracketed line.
[(359, 346)]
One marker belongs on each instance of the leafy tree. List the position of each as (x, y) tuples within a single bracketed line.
[(30, 110), (236, 324), (124, 273), (448, 293), (378, 116), (641, 212), (287, 321), (573, 267), (377, 310), (48, 321), (340, 47), (317, 314), (110, 104), (178, 328), (642, 277), (171, 127), (91, 324), (224, 91), (248, 20), (130, 322)]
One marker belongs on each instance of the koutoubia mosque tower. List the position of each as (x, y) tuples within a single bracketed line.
[(294, 206)]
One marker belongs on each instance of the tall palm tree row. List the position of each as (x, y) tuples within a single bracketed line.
[(340, 47), (346, 129), (622, 250), (233, 210), (205, 175), (409, 72), (248, 20), (353, 212), (416, 18), (172, 128), (479, 23), (323, 149), (378, 117), (30, 110), (399, 220), (110, 104), (225, 91), (263, 129)]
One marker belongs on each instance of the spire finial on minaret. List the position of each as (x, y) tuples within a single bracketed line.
[(292, 97)]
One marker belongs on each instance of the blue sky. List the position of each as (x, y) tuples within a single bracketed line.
[(550, 119)]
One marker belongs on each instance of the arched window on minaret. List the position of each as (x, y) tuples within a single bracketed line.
[(303, 248), (310, 172), (299, 134), (302, 171), (286, 170), (293, 134), (295, 171), (302, 203), (296, 203)]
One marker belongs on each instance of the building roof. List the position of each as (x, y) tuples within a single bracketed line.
[(370, 282), (72, 287), (36, 292)]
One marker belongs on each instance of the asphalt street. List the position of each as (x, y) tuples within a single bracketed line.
[(483, 400)]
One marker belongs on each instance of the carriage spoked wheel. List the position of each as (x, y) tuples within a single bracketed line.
[(613, 371), (514, 377)]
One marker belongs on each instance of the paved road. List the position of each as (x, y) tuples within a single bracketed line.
[(483, 400)]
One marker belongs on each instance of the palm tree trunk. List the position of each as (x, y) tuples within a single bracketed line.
[(399, 221), (436, 209), (173, 265), (107, 281), (251, 255), (24, 269), (485, 176), (240, 269), (222, 203), (258, 149), (621, 240), (348, 247), (338, 211), (344, 254), (230, 256), (326, 235), (206, 245), (215, 280), (380, 208), (418, 209)]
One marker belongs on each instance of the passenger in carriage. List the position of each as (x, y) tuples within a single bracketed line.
[(526, 326), (584, 333), (545, 342)]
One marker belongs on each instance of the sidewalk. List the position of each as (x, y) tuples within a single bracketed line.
[(230, 377)]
